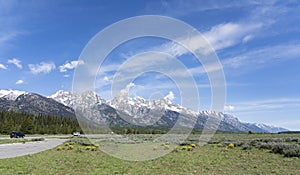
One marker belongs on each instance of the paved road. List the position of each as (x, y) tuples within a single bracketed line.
[(20, 149)]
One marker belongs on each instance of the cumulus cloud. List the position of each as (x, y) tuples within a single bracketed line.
[(16, 62), (70, 65), (20, 82), (3, 67), (106, 78), (42, 67), (229, 108), (170, 96)]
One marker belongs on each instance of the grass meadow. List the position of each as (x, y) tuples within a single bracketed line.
[(225, 154)]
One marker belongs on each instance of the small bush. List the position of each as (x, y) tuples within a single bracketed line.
[(80, 149), (265, 145), (189, 148), (183, 147), (278, 148), (193, 145), (253, 142), (214, 141), (231, 145), (239, 143), (96, 145), (88, 148), (70, 147), (94, 148), (37, 139), (59, 148), (292, 151), (246, 147)]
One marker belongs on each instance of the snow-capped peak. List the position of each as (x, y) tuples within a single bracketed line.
[(270, 128), (11, 94), (170, 97), (73, 99)]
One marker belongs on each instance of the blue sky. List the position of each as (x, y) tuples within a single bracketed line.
[(258, 44)]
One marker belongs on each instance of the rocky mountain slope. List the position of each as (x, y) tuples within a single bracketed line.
[(33, 103), (124, 111)]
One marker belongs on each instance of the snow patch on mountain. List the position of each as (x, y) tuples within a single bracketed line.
[(142, 112), (270, 128), (73, 100), (10, 94)]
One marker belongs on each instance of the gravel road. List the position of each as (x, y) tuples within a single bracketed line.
[(20, 149)]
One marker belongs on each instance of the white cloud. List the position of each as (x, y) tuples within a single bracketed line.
[(218, 37), (42, 67), (170, 96), (229, 108), (20, 82), (16, 62), (6, 37), (264, 55), (3, 67), (106, 78), (247, 38), (229, 34), (183, 8), (70, 65), (267, 105)]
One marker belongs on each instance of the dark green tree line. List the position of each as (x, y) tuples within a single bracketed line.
[(40, 124)]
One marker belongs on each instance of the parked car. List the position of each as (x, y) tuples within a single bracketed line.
[(17, 134), (77, 134)]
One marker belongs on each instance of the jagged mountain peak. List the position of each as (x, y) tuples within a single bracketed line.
[(74, 99), (160, 113), (11, 94)]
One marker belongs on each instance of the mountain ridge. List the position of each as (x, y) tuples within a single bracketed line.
[(142, 112), (124, 111)]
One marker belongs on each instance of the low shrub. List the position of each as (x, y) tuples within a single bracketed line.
[(189, 148), (59, 148), (93, 148), (231, 145), (246, 146), (253, 142), (70, 147), (278, 148), (37, 139), (264, 145), (184, 147), (292, 151), (96, 145)]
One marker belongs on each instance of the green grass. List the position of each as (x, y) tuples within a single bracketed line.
[(19, 140), (208, 159)]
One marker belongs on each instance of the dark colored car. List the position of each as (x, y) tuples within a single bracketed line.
[(16, 134)]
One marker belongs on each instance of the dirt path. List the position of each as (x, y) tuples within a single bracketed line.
[(20, 149)]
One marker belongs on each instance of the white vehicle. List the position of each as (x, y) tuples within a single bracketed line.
[(76, 134)]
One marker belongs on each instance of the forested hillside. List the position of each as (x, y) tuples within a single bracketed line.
[(39, 124)]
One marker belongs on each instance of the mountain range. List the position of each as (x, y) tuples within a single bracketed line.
[(124, 110)]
